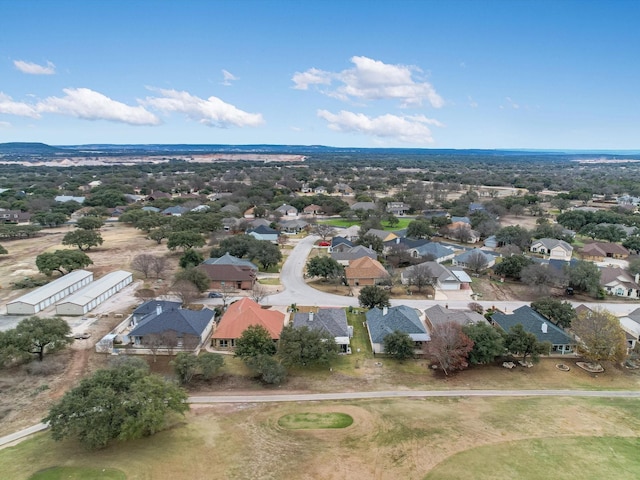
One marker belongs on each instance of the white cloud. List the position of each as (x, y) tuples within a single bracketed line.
[(228, 77), (472, 102), (21, 109), (91, 105), (373, 80), (411, 129), (313, 76), (212, 111), (5, 125), (34, 68)]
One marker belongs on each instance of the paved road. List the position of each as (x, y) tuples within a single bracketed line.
[(310, 397), (297, 291), (20, 435)]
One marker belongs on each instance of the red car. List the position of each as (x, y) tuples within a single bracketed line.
[(324, 244)]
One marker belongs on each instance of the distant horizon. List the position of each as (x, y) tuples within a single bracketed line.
[(332, 147)]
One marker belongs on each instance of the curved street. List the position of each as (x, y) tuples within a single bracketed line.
[(296, 290)]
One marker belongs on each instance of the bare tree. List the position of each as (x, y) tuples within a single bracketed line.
[(420, 276), (143, 263), (159, 266), (462, 233), (449, 347), (170, 341), (186, 290), (477, 262), (601, 337), (538, 277), (258, 292), (227, 292), (323, 230), (153, 342)]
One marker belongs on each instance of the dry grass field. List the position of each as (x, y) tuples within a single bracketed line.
[(408, 439)]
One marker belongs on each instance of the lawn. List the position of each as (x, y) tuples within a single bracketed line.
[(345, 223), (311, 421), (589, 458), (79, 473), (438, 438)]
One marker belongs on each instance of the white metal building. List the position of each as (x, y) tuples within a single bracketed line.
[(40, 298), (94, 294)]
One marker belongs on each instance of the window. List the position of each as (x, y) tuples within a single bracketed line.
[(223, 343)]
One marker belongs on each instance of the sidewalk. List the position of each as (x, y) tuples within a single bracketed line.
[(8, 440)]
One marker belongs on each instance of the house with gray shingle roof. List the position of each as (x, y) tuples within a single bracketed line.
[(470, 257), (340, 244), (554, 248), (175, 211), (363, 206), (287, 210), (330, 320), (438, 315), (264, 233), (444, 278), (173, 328), (540, 326), (619, 282), (343, 257), (382, 322)]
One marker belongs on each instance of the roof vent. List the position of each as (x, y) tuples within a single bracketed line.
[(544, 327)]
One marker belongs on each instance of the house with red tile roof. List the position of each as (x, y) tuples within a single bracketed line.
[(239, 316)]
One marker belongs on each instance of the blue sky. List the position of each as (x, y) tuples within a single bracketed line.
[(436, 74)]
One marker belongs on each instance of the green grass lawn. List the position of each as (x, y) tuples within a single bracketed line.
[(588, 458), (307, 421), (79, 473), (269, 281), (345, 223)]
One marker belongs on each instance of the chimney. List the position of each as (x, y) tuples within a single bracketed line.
[(311, 316), (397, 240), (385, 310), (158, 309), (544, 327), (637, 278)]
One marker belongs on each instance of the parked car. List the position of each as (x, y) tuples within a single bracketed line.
[(324, 244), (215, 295), (82, 336)]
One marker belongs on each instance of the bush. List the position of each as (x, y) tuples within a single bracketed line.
[(28, 283), (48, 367)]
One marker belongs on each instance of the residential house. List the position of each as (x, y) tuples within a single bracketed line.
[(491, 242), (201, 209), (330, 320), (151, 209), (14, 216), (540, 326), (617, 281), (69, 198), (439, 315), (382, 234), (340, 244), (173, 328), (293, 226), (382, 322), (258, 222), (343, 189), (469, 259), (175, 211), (151, 306), (421, 248), (554, 248), (443, 278), (351, 233), (229, 271), (476, 207), (346, 256), (287, 210), (363, 206), (628, 200), (249, 213), (365, 271), (156, 196), (239, 316), (397, 208), (466, 220), (631, 325), (264, 233), (320, 190), (429, 214), (599, 251), (313, 209), (460, 231), (229, 224), (230, 209)]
